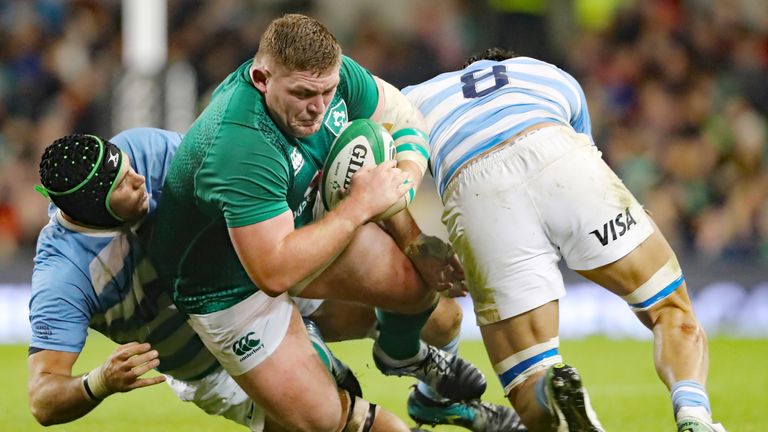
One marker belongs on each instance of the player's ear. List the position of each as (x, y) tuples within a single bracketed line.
[(260, 75)]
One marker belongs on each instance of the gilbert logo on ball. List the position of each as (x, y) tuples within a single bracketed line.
[(360, 150), (361, 143)]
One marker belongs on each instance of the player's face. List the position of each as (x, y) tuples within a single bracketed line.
[(298, 100), (129, 199)]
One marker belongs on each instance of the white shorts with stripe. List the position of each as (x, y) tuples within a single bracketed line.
[(245, 334), (514, 212)]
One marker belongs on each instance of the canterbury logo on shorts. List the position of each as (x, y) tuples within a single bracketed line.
[(245, 346)]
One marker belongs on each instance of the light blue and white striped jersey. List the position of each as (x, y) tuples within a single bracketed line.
[(471, 110), (102, 279)]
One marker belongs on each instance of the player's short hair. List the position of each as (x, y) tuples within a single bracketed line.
[(300, 43), (494, 53), (78, 173)]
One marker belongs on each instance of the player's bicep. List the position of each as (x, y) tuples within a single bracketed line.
[(249, 183), (60, 308), (259, 245), (49, 362), (407, 126), (245, 202)]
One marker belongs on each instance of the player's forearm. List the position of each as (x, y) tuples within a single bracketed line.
[(55, 399), (402, 228), (416, 174)]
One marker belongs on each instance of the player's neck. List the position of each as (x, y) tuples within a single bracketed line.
[(79, 224)]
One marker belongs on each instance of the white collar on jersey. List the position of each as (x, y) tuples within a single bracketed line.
[(94, 232)]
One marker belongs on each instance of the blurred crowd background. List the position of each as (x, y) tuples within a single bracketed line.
[(677, 90)]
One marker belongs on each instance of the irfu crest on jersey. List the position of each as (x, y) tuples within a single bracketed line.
[(297, 160), (336, 117)]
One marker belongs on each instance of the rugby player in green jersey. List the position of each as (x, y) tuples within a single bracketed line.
[(91, 271), (236, 237)]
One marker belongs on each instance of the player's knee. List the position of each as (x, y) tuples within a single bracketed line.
[(680, 319), (322, 417), (529, 363), (692, 330), (444, 323), (413, 295), (523, 397), (659, 291), (326, 420)]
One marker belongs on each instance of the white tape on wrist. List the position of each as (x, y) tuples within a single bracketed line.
[(95, 385)]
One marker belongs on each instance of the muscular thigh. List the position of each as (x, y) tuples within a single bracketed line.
[(371, 270), (626, 274), (341, 320), (293, 376)]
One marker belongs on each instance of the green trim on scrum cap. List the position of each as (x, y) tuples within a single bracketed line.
[(49, 192), (112, 187), (42, 191)]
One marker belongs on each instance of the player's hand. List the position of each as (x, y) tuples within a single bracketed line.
[(377, 188), (438, 265), (125, 367)]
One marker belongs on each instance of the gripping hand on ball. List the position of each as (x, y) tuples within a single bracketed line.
[(377, 188)]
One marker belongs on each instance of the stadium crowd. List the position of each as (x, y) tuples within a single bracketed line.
[(675, 87)]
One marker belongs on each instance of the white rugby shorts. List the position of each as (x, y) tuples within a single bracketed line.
[(307, 306), (514, 212), (218, 394), (245, 334)]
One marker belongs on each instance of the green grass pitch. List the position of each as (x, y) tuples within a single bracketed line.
[(618, 373)]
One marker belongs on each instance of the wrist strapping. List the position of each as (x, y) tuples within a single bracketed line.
[(95, 385)]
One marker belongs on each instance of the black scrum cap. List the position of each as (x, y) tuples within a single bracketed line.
[(78, 173)]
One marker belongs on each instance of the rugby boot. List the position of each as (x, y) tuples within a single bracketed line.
[(568, 401), (341, 373), (693, 424), (475, 415), (448, 374)]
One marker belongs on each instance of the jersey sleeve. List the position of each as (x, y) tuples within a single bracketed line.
[(244, 177), (358, 89), (59, 308)]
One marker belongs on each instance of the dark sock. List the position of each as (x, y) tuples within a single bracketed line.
[(399, 333)]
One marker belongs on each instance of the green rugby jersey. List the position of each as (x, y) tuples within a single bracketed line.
[(235, 168)]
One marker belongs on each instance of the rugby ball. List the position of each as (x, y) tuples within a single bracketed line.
[(361, 143)]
